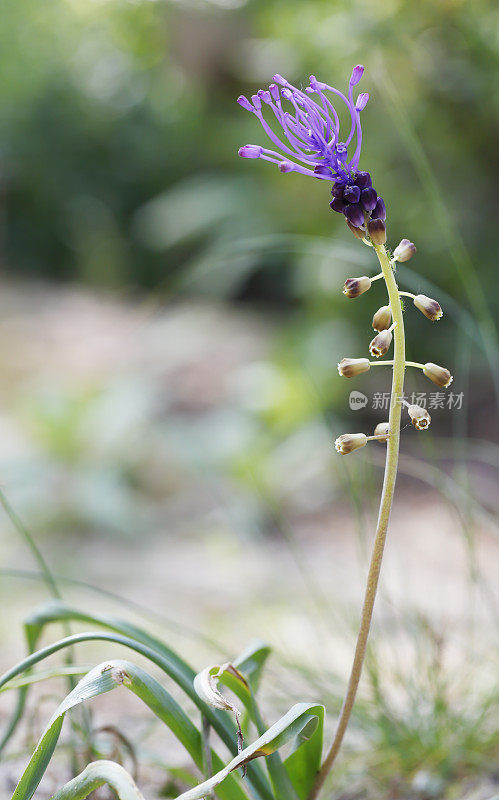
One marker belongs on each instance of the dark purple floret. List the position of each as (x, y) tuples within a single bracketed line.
[(338, 188), (363, 180), (355, 214), (379, 211), (352, 194), (368, 198), (338, 204)]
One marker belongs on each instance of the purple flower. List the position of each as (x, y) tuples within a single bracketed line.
[(305, 131), (309, 137)]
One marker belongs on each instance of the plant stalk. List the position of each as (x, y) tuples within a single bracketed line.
[(383, 518)]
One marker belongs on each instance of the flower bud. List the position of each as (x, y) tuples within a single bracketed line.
[(404, 250), (349, 367), (352, 194), (348, 442), (368, 198), (382, 430), (430, 308), (382, 318), (377, 231), (338, 204), (363, 180), (358, 232), (250, 151), (379, 210), (381, 344), (354, 214), (438, 375), (419, 417), (356, 286)]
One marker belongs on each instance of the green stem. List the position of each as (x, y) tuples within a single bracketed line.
[(383, 518)]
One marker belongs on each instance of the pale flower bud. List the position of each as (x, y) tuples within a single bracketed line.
[(358, 232), (348, 442), (382, 430), (430, 308), (438, 375), (377, 231), (381, 344), (349, 367), (356, 286), (404, 251), (419, 417), (382, 318)]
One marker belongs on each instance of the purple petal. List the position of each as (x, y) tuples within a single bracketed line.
[(362, 101), (357, 73), (250, 151), (320, 169), (244, 102), (257, 103)]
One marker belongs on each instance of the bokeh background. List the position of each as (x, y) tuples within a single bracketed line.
[(171, 320)]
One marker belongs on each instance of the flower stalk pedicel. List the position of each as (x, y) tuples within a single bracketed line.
[(311, 145)]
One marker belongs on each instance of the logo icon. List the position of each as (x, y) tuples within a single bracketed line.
[(357, 400)]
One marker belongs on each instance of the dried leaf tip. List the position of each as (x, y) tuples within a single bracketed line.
[(348, 442)]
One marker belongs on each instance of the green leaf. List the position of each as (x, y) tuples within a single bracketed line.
[(304, 762), (104, 678), (205, 684), (97, 774), (299, 724), (156, 650)]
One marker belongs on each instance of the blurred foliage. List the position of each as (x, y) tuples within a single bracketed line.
[(119, 132)]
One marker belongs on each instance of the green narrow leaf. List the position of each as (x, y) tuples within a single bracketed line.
[(97, 774), (304, 762), (102, 679), (205, 684), (299, 724), (166, 658)]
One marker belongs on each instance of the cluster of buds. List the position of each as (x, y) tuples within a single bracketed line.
[(373, 231)]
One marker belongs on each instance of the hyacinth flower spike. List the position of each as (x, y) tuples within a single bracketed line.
[(309, 142)]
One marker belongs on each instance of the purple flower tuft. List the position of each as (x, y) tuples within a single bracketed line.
[(306, 130)]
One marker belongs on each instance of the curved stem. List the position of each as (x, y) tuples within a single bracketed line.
[(383, 518)]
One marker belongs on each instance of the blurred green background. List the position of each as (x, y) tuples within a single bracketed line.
[(172, 317)]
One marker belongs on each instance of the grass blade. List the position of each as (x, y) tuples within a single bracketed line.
[(224, 727), (299, 723), (97, 774), (101, 679)]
